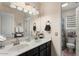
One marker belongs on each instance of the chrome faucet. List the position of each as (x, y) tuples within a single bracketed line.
[(36, 36), (16, 42)]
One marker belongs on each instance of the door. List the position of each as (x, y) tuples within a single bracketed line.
[(0, 24), (77, 41)]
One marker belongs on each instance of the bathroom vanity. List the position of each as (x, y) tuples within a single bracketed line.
[(42, 50), (40, 47)]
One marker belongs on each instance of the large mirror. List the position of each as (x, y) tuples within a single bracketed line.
[(16, 22)]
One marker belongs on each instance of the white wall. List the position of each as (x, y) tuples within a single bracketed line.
[(70, 12), (52, 12)]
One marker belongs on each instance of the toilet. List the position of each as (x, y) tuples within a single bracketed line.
[(70, 44)]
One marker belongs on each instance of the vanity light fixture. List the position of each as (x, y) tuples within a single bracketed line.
[(20, 4), (65, 4), (25, 8)]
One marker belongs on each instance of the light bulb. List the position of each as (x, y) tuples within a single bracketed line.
[(30, 12), (65, 4), (25, 10), (20, 8), (12, 6)]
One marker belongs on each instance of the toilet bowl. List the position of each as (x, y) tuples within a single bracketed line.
[(70, 44), (70, 47)]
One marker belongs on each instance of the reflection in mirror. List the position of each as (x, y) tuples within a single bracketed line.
[(19, 31), (28, 27), (6, 24), (15, 25)]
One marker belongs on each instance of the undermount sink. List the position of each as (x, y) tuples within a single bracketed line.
[(12, 49), (18, 47)]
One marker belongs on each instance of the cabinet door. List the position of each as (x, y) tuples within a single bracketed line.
[(37, 54), (49, 44), (49, 51), (33, 52), (43, 52), (43, 46), (49, 48)]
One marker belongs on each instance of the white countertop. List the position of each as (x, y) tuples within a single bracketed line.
[(24, 47)]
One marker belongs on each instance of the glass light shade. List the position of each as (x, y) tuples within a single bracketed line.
[(65, 4), (30, 12), (35, 12), (12, 6), (25, 10), (20, 8)]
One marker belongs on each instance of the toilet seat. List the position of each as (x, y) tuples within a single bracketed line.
[(70, 45)]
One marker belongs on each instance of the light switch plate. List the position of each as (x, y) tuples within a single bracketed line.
[(56, 33)]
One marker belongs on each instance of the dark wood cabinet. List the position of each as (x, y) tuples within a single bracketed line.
[(42, 50)]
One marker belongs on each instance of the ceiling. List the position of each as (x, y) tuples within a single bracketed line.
[(34, 4), (71, 5)]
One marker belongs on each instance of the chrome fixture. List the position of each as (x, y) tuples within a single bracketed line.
[(25, 8)]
